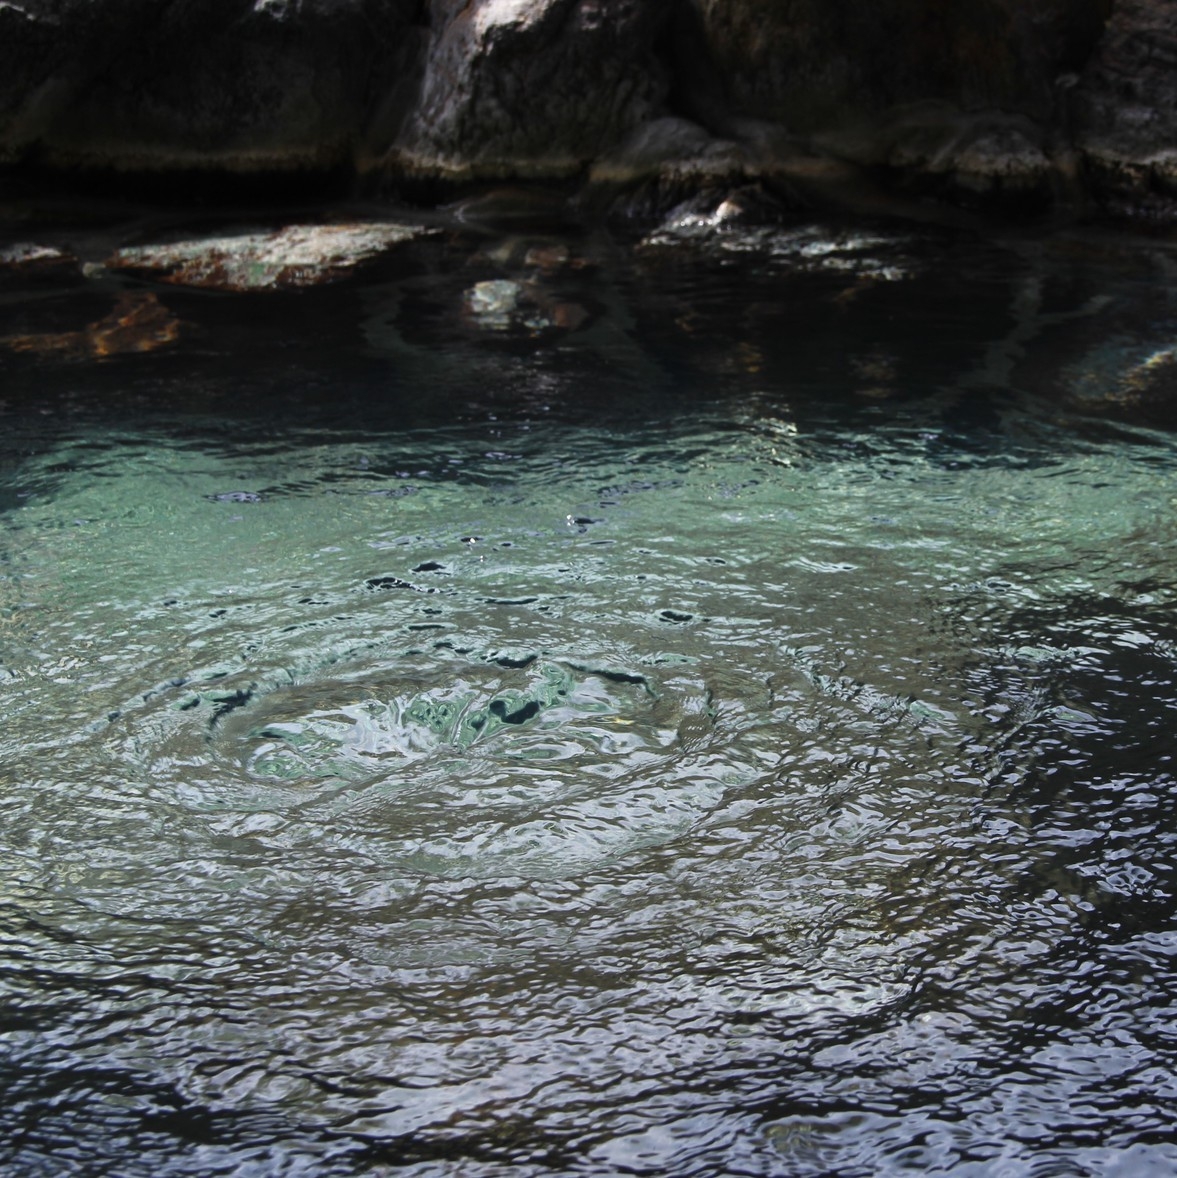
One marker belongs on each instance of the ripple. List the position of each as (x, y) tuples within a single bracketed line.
[(754, 782), (467, 764)]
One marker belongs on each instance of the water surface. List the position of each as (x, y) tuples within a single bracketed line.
[(733, 736)]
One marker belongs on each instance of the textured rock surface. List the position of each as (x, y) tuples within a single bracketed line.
[(812, 64), (25, 260), (531, 87), (1125, 110), (241, 84), (1013, 105), (296, 256)]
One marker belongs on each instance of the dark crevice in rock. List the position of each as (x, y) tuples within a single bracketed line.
[(696, 89)]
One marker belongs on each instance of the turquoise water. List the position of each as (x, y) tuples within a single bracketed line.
[(734, 747)]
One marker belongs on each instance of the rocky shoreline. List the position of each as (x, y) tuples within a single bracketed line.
[(1008, 107)]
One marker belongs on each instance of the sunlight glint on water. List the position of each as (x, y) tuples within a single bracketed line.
[(709, 793)]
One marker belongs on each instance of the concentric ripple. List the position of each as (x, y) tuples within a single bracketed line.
[(455, 763), (485, 777)]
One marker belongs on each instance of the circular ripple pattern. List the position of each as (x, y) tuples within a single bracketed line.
[(455, 764), (501, 775)]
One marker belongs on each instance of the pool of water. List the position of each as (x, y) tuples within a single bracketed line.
[(726, 727)]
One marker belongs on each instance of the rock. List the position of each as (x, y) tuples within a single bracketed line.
[(27, 260), (657, 145), (245, 85), (1121, 374), (957, 101), (816, 64), (1002, 105), (533, 88), (662, 163), (284, 259), (494, 304), (139, 322), (993, 161), (27, 256), (1125, 111), (504, 305)]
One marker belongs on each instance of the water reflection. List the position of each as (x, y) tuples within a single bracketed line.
[(137, 323), (532, 769)]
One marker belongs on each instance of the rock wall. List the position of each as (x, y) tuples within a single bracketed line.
[(1125, 110), (239, 85), (530, 87), (1006, 105)]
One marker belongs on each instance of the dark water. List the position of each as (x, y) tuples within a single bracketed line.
[(723, 728)]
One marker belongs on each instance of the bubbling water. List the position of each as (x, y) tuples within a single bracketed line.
[(454, 763)]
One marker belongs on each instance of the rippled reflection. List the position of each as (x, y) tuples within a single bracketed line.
[(729, 784)]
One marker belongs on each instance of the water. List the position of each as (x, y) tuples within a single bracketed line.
[(733, 736)]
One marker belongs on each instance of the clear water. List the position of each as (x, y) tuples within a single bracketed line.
[(734, 737)]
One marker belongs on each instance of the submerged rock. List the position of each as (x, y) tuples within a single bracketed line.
[(139, 322), (859, 255), (296, 256), (504, 305), (494, 304), (1121, 372)]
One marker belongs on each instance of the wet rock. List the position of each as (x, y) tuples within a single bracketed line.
[(955, 101), (139, 322), (662, 163), (738, 220), (992, 161), (861, 256), (494, 305), (504, 305), (531, 87), (25, 261), (296, 256), (28, 256)]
